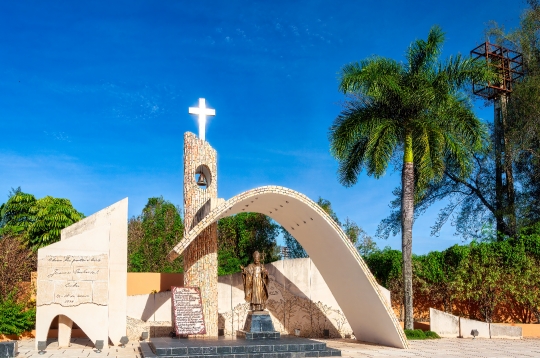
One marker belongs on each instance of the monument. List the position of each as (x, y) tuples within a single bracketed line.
[(356, 292), (258, 324), (83, 278)]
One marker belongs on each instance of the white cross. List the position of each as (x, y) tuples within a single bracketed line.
[(202, 111)]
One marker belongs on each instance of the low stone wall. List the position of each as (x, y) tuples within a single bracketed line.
[(447, 325), (504, 331), (467, 325), (135, 328)]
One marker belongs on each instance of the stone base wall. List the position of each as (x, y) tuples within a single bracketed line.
[(135, 328)]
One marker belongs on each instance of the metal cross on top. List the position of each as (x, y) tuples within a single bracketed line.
[(202, 111)]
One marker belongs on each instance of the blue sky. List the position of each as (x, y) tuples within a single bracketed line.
[(94, 95)]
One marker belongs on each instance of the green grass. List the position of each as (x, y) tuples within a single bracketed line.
[(419, 334)]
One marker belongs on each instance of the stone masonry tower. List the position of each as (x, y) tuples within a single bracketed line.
[(200, 257)]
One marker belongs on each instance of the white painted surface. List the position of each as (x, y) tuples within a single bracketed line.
[(467, 325), (103, 316), (386, 295), (347, 276), (150, 307), (444, 324)]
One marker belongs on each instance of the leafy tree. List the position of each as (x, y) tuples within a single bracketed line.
[(242, 234), (152, 235), (436, 273), (296, 250), (386, 266), (49, 215), (481, 277), (355, 233), (524, 273), (416, 109), (16, 214), (327, 207), (523, 131), (36, 222), (363, 242)]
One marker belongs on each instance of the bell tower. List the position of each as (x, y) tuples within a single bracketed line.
[(200, 195)]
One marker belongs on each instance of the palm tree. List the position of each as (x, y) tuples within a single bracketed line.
[(415, 109)]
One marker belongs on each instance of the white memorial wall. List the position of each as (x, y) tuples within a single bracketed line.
[(83, 278)]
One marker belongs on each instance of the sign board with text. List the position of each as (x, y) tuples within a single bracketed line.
[(187, 311)]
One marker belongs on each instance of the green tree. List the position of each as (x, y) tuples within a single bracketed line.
[(152, 235), (363, 242), (37, 223), (481, 277), (296, 251), (360, 239), (15, 215), (326, 205), (524, 274), (417, 108), (523, 124), (49, 216), (386, 266), (242, 234), (436, 273)]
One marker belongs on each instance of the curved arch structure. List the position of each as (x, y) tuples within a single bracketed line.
[(345, 272)]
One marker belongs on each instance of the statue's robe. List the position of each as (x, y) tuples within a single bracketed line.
[(255, 284)]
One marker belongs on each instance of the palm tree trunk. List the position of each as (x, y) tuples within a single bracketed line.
[(407, 212)]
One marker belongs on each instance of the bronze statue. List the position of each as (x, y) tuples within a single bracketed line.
[(255, 278)]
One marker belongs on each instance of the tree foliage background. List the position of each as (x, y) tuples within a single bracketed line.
[(241, 235), (471, 202), (363, 242), (36, 222), (492, 281), (152, 235)]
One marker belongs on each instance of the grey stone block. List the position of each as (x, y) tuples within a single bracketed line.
[(444, 324), (505, 331), (8, 349)]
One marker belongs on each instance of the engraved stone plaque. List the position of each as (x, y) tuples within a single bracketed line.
[(187, 309), (71, 280)]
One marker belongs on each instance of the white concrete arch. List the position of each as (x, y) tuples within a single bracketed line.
[(345, 272)]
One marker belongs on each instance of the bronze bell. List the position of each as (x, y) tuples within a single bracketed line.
[(202, 180)]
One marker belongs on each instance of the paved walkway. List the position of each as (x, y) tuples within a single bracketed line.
[(445, 347)]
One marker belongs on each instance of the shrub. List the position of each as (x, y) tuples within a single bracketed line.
[(415, 334), (14, 317), (419, 334), (431, 335)]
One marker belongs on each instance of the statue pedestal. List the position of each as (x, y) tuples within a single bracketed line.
[(258, 326)]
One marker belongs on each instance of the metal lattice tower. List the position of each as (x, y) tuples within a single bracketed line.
[(508, 65)]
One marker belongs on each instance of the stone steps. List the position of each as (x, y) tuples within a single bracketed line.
[(298, 348)]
